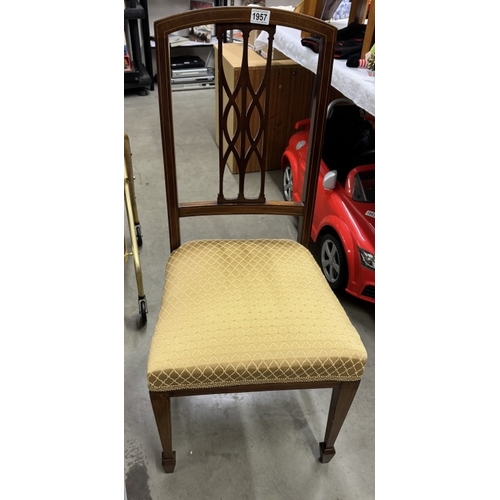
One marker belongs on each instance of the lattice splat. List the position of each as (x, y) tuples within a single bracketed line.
[(249, 102)]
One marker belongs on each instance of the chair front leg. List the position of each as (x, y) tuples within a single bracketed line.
[(342, 397), (161, 409)]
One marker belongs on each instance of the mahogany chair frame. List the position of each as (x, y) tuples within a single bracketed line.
[(226, 18)]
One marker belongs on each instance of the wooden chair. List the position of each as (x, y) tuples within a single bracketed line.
[(221, 327)]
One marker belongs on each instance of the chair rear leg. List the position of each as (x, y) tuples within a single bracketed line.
[(342, 397), (161, 409)]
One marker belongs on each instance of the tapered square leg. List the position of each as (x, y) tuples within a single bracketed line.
[(161, 409), (342, 397)]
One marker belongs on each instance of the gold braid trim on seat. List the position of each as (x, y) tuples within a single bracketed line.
[(219, 326)]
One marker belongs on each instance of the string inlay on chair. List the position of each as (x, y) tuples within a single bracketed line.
[(272, 323)]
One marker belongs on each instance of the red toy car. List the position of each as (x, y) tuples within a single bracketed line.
[(344, 215)]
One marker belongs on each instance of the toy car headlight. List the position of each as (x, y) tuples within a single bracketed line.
[(367, 259)]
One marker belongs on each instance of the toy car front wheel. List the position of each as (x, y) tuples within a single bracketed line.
[(333, 262), (287, 182)]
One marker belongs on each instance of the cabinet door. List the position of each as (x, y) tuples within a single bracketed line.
[(290, 101)]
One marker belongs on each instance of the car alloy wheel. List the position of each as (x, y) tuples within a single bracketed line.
[(287, 183), (333, 261)]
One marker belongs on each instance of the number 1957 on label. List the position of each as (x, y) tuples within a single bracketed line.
[(260, 16)]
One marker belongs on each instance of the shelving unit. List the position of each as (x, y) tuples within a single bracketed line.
[(205, 51), (192, 48), (141, 76)]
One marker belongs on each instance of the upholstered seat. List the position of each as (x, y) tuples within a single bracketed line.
[(219, 326)]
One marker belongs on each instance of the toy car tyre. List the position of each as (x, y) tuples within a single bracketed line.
[(287, 182), (333, 261)]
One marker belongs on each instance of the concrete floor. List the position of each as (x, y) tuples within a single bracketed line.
[(240, 446)]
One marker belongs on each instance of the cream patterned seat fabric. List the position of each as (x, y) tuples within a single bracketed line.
[(220, 325)]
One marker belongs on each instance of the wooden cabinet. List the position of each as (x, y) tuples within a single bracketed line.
[(289, 100), (361, 10)]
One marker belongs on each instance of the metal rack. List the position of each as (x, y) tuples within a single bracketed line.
[(136, 27)]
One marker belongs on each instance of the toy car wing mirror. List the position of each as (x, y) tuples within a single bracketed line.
[(329, 180)]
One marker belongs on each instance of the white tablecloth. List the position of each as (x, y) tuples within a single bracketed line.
[(354, 83)]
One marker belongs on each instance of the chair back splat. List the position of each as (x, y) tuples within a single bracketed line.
[(247, 104), (242, 315)]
